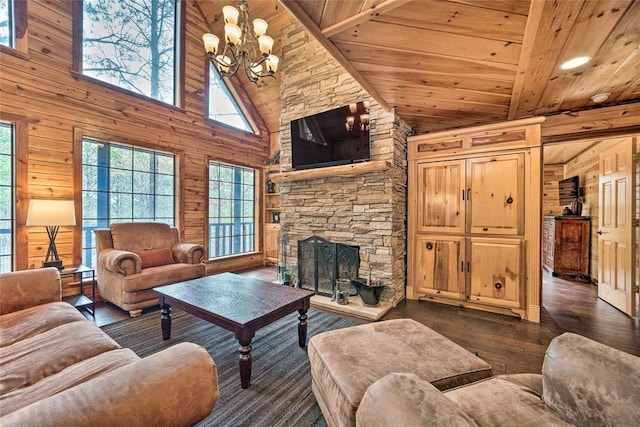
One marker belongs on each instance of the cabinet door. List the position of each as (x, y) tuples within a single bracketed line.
[(438, 266), (272, 231), (496, 202), (495, 272), (572, 240), (439, 193)]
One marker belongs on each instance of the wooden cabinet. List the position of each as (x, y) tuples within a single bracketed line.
[(566, 246), (474, 218)]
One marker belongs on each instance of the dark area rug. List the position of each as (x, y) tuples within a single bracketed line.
[(280, 392)]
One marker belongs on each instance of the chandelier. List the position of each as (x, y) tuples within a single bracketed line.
[(246, 47), (355, 120)]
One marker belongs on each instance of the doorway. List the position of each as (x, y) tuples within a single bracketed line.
[(577, 159)]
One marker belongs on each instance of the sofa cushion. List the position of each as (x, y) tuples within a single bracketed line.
[(65, 379), (589, 383), (23, 324), (406, 400), (32, 359), (156, 257), (141, 236), (499, 401), (162, 275)]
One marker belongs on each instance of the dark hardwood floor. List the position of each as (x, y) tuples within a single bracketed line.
[(508, 344)]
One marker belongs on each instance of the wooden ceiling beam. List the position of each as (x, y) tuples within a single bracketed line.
[(530, 33), (298, 13), (364, 16)]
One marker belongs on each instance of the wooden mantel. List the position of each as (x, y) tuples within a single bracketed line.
[(331, 171)]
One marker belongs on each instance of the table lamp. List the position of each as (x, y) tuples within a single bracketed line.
[(51, 214)]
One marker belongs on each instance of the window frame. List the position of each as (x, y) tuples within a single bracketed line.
[(19, 46), (256, 214), (79, 136), (234, 95), (20, 178), (179, 58)]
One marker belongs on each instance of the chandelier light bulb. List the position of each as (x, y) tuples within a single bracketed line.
[(232, 33), (364, 118), (366, 104), (272, 63), (353, 108), (224, 62), (260, 27), (256, 70), (230, 14), (211, 42), (266, 43)]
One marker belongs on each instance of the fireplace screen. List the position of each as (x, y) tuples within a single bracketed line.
[(321, 262)]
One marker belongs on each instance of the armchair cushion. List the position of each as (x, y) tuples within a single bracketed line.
[(156, 257), (142, 236)]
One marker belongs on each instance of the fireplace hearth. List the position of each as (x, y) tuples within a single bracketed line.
[(321, 262)]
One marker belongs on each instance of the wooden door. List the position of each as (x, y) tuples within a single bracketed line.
[(496, 201), (439, 192), (616, 234), (438, 266), (495, 274)]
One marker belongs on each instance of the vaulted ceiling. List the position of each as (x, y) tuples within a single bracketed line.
[(452, 63)]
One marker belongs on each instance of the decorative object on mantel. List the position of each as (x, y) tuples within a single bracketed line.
[(52, 214), (244, 47), (274, 159), (271, 186), (276, 217)]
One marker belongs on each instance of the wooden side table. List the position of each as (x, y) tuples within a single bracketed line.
[(82, 301)]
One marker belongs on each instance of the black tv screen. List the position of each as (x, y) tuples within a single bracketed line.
[(568, 189), (336, 137)]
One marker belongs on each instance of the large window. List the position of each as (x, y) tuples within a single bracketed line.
[(132, 44), (122, 183), (6, 23), (6, 197), (231, 210), (222, 105)]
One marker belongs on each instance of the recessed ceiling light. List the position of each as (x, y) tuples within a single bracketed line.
[(575, 62), (600, 97)]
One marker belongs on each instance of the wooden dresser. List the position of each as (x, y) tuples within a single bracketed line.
[(566, 243)]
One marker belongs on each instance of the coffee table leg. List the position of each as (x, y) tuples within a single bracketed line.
[(302, 327), (244, 338), (165, 321)]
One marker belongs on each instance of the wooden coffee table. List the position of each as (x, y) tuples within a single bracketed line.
[(238, 304)]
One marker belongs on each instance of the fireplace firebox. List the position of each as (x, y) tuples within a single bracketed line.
[(321, 262)]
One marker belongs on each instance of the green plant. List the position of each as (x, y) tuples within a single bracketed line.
[(287, 275)]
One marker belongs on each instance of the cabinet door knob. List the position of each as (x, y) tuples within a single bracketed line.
[(599, 232), (498, 285)]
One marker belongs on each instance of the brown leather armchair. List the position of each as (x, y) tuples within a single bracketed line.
[(135, 257)]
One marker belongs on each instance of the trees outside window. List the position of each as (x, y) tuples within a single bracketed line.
[(132, 44), (231, 210), (6, 23), (6, 197), (122, 183), (222, 105)]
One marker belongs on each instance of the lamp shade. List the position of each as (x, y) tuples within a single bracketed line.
[(47, 212)]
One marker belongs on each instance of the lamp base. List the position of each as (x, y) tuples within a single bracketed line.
[(57, 264)]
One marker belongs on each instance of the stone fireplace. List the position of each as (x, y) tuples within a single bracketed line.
[(361, 204)]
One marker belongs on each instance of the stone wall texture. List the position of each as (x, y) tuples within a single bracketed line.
[(368, 210)]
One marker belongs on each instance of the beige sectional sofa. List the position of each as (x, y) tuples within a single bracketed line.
[(135, 257), (583, 383), (59, 369)]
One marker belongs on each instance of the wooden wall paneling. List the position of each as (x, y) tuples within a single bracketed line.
[(56, 101), (550, 197)]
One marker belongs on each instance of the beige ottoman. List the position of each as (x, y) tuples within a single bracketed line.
[(345, 362)]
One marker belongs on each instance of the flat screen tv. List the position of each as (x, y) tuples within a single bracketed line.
[(568, 189), (336, 137)]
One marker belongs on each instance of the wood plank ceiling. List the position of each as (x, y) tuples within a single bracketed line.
[(452, 63)]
